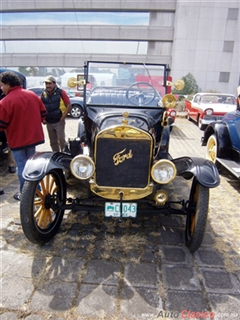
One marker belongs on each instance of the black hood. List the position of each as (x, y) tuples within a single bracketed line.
[(102, 118)]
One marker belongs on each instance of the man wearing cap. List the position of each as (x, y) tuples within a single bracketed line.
[(58, 106)]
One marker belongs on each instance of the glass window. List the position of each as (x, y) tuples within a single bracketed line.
[(233, 13), (224, 76), (228, 46)]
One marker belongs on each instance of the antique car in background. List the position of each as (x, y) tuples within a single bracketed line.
[(172, 113), (222, 139), (205, 108), (120, 156), (76, 102)]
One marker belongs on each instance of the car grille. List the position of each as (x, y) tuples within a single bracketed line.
[(131, 166)]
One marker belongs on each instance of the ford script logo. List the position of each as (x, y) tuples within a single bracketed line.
[(120, 157)]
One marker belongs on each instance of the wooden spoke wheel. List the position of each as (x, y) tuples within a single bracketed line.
[(196, 215), (40, 211)]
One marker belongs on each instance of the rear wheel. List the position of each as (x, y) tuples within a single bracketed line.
[(196, 215), (40, 216)]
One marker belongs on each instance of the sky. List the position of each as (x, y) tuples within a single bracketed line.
[(74, 18), (86, 18)]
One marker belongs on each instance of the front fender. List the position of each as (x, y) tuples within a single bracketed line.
[(204, 170), (43, 162)]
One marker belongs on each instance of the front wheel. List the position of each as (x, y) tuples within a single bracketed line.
[(213, 150), (197, 212), (40, 216)]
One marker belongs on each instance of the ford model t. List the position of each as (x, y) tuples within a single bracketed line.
[(119, 155)]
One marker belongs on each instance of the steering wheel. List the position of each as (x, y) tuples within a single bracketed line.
[(138, 95)]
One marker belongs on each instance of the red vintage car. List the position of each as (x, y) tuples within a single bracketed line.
[(205, 108)]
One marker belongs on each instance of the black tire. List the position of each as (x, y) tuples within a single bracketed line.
[(40, 222), (76, 111), (196, 215)]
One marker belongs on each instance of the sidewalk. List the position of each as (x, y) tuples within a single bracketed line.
[(97, 268)]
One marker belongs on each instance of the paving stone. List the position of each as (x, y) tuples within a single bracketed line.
[(8, 259), (8, 316), (68, 270), (15, 291), (24, 266), (65, 251), (97, 300), (209, 239), (225, 307), (35, 317), (180, 277), (142, 275), (208, 257), (55, 296), (80, 253), (169, 222), (188, 300), (139, 302), (102, 272), (171, 236), (219, 281), (149, 257), (176, 255)]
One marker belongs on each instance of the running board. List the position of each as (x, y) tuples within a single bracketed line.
[(232, 166)]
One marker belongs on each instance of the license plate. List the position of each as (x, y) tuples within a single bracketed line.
[(112, 209)]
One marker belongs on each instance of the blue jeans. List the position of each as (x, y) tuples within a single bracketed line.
[(21, 157)]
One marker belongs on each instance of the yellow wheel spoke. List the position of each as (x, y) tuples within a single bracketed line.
[(49, 187), (47, 183), (44, 191), (43, 212), (37, 213), (54, 189), (39, 194), (46, 216), (37, 202), (49, 216), (51, 184)]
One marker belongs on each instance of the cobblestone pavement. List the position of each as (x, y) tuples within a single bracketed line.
[(105, 269)]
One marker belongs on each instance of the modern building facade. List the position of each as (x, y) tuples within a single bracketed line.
[(196, 36)]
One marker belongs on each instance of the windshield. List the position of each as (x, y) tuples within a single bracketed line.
[(124, 84), (220, 98)]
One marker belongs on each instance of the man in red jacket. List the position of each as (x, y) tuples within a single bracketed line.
[(21, 115)]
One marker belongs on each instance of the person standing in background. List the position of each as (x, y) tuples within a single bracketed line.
[(21, 116), (58, 106), (11, 162)]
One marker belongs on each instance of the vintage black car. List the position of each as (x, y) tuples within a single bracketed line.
[(222, 139), (120, 155)]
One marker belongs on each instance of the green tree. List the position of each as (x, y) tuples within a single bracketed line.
[(23, 70), (29, 71), (190, 86)]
